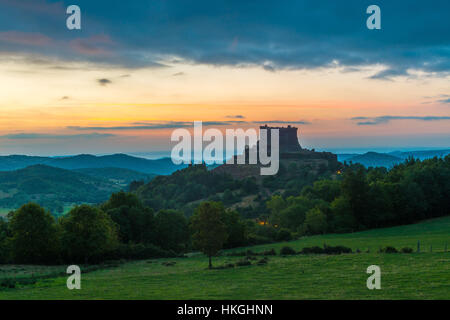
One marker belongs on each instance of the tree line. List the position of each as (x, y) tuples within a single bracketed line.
[(121, 228), (363, 198)]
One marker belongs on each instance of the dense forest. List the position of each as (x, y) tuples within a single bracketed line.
[(150, 222)]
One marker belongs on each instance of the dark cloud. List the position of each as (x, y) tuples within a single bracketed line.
[(369, 121), (282, 122), (104, 81), (237, 116), (273, 35), (445, 101)]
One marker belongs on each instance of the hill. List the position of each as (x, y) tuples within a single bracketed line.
[(421, 275), (160, 166), (374, 159), (422, 155), (234, 185), (51, 187), (119, 176)]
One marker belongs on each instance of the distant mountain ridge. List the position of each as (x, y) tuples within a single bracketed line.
[(388, 160), (162, 166)]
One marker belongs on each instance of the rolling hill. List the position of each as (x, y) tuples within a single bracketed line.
[(119, 176), (52, 187), (422, 155), (160, 166), (374, 159)]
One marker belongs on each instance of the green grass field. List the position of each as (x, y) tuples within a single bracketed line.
[(424, 275)]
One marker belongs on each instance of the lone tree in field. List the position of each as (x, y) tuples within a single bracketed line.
[(208, 228)]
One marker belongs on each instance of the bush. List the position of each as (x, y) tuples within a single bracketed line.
[(389, 249), (224, 266), (283, 235), (263, 261), (407, 250), (243, 262), (254, 239), (336, 250), (270, 252), (287, 251), (313, 250)]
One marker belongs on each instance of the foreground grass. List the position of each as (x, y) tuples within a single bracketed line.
[(424, 275)]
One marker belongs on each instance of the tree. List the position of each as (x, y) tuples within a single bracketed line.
[(315, 221), (135, 221), (87, 234), (342, 217), (209, 231), (275, 205), (236, 229), (172, 232), (4, 235), (34, 235), (356, 189)]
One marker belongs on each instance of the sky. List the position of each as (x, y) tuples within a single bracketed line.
[(137, 70)]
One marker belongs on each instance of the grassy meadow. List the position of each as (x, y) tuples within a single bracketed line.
[(424, 275)]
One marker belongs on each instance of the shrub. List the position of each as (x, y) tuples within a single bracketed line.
[(270, 252), (283, 235), (254, 239), (263, 261), (312, 250), (287, 251), (407, 250), (243, 262), (336, 250), (236, 254), (389, 249)]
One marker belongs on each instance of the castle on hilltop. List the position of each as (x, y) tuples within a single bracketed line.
[(290, 151), (288, 140)]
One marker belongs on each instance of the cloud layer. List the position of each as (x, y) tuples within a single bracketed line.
[(289, 35)]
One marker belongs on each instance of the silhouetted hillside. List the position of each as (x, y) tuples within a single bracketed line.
[(160, 166), (422, 155)]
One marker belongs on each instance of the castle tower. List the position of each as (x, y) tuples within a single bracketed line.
[(288, 138)]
